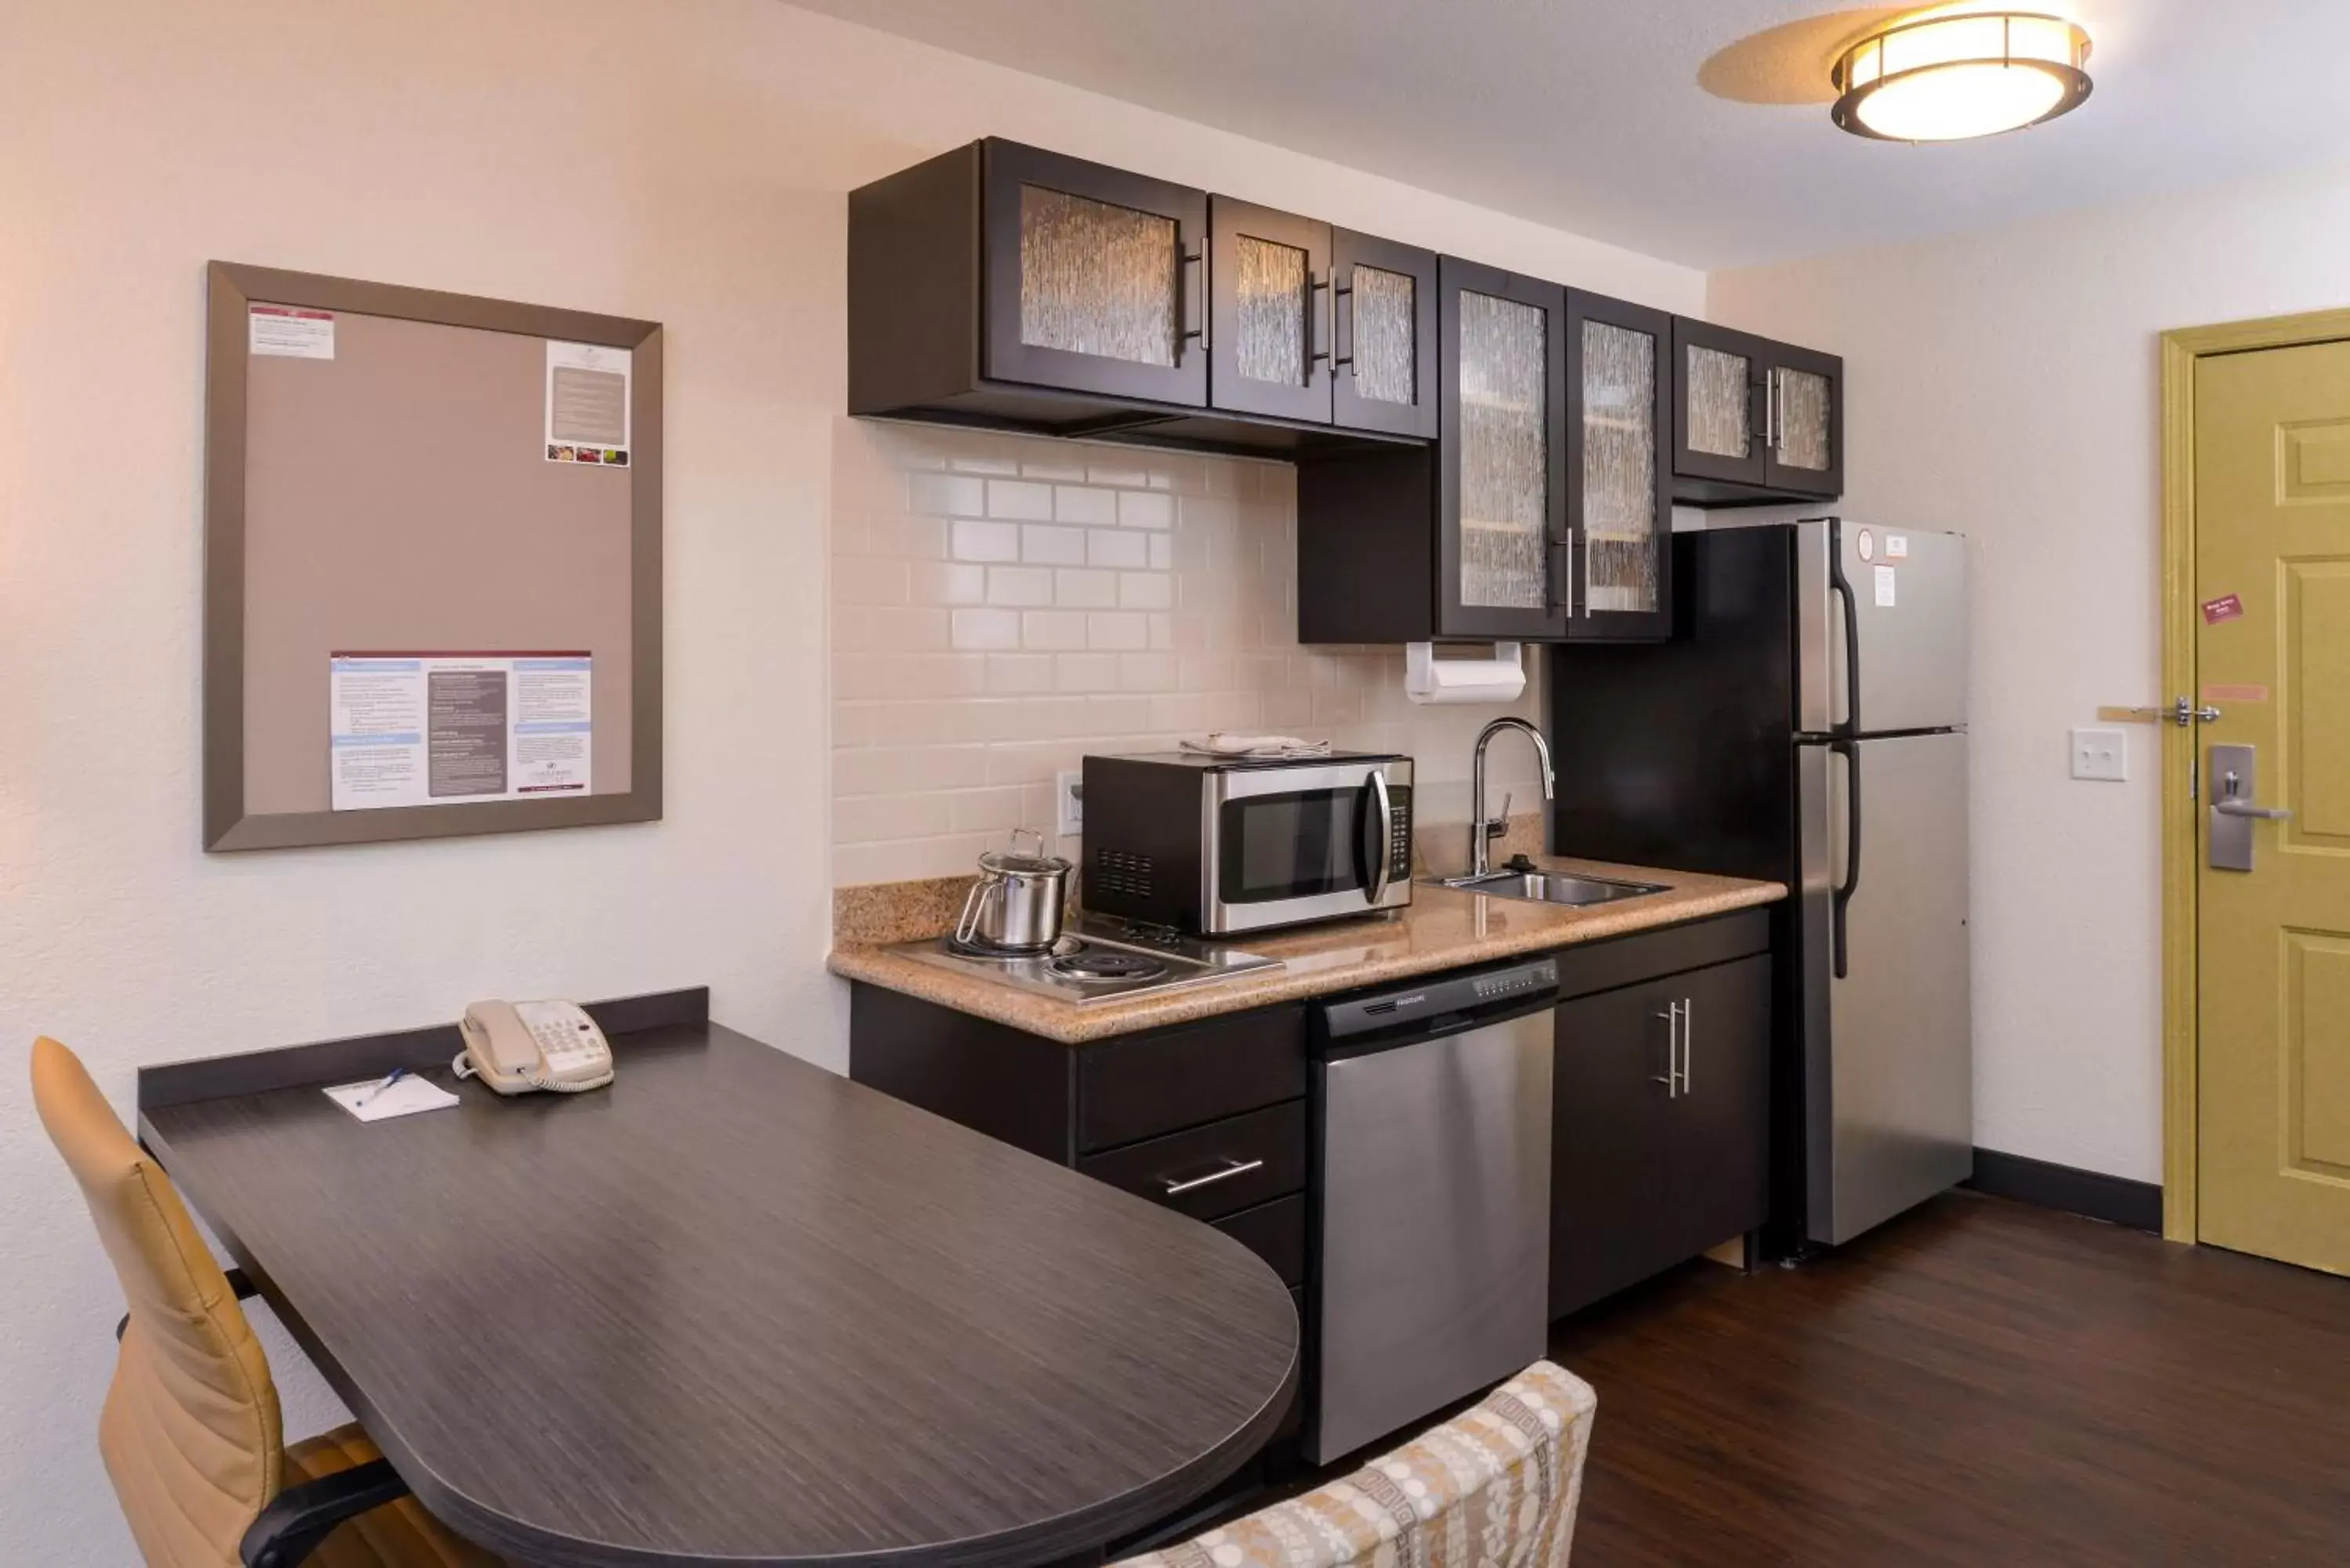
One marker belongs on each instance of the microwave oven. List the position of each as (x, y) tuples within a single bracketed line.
[(1216, 846)]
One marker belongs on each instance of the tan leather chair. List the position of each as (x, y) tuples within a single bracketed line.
[(190, 1431), (1495, 1487)]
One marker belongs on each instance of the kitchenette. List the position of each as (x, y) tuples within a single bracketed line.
[(1320, 747)]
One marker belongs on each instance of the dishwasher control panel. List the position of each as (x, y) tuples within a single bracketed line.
[(1440, 995)]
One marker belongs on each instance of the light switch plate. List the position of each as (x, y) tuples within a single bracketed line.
[(1069, 804), (2102, 754)]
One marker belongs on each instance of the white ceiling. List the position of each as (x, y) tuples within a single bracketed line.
[(1587, 114)]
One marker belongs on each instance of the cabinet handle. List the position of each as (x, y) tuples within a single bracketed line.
[(1689, 1040), (1342, 324), (1318, 325), (1558, 548), (1231, 1168), (1187, 296), (1672, 1078)]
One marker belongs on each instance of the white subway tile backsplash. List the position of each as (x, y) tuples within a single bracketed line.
[(1117, 630), (1019, 674), (946, 583), (1143, 510), (1145, 590), (1021, 499), (1053, 630), (1086, 590), (986, 542), (984, 629), (1049, 546), (1019, 585), (1078, 503), (1113, 548), (948, 494), (1003, 605)]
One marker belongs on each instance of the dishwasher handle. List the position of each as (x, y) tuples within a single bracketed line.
[(1446, 1004)]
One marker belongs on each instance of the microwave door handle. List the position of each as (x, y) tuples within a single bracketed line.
[(1379, 822)]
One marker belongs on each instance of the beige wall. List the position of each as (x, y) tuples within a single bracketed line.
[(684, 162), (1003, 605), (2005, 384)]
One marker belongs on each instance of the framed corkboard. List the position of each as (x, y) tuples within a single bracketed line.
[(433, 592)]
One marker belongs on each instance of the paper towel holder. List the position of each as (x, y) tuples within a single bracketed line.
[(1499, 678)]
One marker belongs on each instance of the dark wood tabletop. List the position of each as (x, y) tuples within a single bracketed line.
[(736, 1310)]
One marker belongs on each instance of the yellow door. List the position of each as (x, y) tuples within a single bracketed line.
[(2273, 577)]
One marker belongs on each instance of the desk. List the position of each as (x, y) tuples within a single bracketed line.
[(733, 1309)]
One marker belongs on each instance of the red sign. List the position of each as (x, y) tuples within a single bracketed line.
[(2228, 607)]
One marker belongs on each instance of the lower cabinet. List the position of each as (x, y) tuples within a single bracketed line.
[(1660, 1131)]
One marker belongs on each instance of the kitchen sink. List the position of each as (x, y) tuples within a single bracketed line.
[(1551, 887)]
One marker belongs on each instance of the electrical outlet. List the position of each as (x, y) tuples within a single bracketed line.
[(1069, 811), (2102, 754)]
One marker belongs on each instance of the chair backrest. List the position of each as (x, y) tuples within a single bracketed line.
[(189, 1432), (1495, 1487)]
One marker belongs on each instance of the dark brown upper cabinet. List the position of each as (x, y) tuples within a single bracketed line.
[(1269, 284), (1619, 469), (1753, 420), (1004, 285), (1383, 335), (1466, 540), (1096, 278), (1502, 544), (1319, 324)]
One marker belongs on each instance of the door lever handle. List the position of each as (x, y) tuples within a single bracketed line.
[(2232, 804)]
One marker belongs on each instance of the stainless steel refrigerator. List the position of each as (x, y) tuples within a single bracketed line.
[(1807, 723)]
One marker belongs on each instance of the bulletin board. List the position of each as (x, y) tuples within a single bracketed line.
[(431, 564)]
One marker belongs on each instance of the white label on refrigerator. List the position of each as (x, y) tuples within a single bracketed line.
[(1884, 587), (1896, 547)]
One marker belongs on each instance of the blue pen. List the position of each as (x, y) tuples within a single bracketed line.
[(395, 1076)]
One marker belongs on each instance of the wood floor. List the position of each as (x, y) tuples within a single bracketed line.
[(1979, 1383)]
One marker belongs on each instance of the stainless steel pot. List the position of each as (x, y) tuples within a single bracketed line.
[(1016, 906)]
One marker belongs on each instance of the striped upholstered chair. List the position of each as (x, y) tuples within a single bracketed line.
[(1495, 1487)]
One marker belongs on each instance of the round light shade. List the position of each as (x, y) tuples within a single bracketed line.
[(1947, 77)]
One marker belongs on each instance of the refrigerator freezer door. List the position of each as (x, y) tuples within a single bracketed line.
[(1888, 1049), (1908, 598)]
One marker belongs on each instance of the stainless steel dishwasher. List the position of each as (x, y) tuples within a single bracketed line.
[(1432, 1167)]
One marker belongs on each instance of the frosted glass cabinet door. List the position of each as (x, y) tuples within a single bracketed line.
[(1270, 323), (1383, 320), (1806, 422), (1619, 506), (1503, 535), (1717, 404), (1093, 277)]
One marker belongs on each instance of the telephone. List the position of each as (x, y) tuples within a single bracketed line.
[(517, 1047)]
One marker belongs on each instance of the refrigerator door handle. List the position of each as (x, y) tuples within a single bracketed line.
[(1837, 580), (1842, 894)]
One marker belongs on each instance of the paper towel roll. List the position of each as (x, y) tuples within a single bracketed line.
[(1428, 679)]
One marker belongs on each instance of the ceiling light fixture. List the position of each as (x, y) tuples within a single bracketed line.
[(1947, 77)]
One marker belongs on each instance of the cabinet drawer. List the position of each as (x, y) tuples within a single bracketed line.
[(1263, 1151), (1274, 1232), (1133, 1089)]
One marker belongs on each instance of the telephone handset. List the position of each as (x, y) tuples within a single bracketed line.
[(517, 1047)]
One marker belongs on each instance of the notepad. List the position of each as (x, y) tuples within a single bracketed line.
[(405, 1098)]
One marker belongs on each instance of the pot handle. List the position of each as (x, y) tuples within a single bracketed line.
[(975, 904)]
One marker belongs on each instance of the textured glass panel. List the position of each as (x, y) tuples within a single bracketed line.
[(1803, 420), (1717, 408), (1619, 468), (1504, 454), (1094, 278), (1270, 331), (1385, 354)]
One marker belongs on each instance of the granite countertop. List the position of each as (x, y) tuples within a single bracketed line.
[(1443, 929)]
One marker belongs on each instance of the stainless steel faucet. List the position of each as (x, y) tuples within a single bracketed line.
[(1483, 830)]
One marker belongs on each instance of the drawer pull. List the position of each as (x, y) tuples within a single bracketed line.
[(1230, 1169)]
